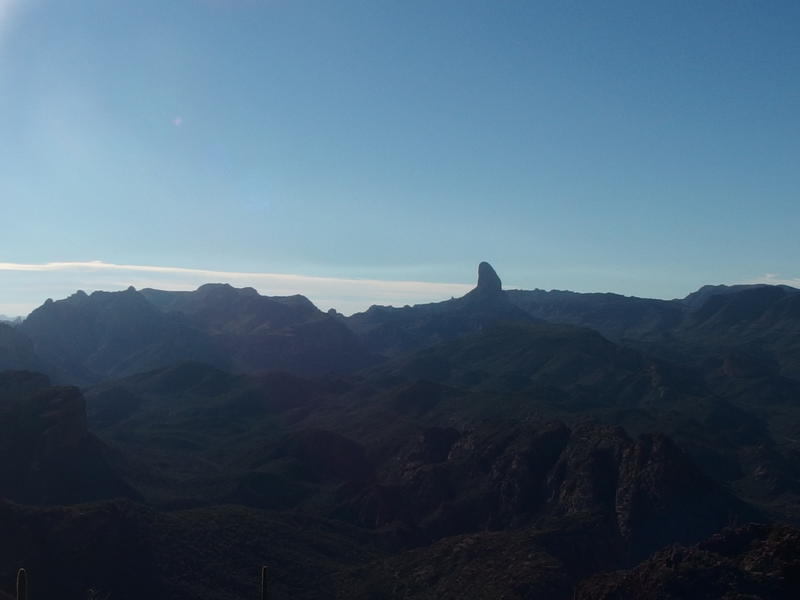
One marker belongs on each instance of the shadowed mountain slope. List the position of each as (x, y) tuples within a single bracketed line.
[(219, 308), (259, 333), (580, 499), (377, 450), (47, 455), (192, 414), (393, 331), (696, 299), (614, 316), (738, 422), (16, 350), (506, 444), (762, 320), (88, 338), (636, 494)]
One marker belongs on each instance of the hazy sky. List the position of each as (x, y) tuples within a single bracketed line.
[(638, 147)]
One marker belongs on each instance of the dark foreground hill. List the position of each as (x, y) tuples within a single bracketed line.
[(201, 436), (127, 551), (736, 418), (559, 503), (753, 562), (344, 502), (47, 455), (738, 424)]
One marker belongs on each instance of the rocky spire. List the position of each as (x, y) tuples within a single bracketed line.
[(488, 280)]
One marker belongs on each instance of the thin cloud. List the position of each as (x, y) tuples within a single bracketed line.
[(101, 265), (776, 279), (346, 295)]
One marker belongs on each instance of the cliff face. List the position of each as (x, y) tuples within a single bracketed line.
[(640, 493), (47, 455)]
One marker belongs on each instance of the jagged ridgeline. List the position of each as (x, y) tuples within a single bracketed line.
[(505, 444)]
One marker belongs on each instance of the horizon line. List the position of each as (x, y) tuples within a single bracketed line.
[(334, 290)]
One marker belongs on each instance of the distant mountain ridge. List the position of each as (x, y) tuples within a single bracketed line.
[(391, 331), (698, 298), (88, 338)]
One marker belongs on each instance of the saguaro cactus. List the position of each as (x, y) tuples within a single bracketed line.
[(264, 588), (22, 585)]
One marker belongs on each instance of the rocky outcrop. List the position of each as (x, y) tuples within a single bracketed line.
[(488, 281), (47, 455), (654, 492), (391, 331), (642, 493)]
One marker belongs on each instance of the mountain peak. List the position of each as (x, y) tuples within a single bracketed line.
[(487, 278)]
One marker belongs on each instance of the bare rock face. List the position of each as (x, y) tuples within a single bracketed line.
[(47, 455), (646, 489), (487, 278), (643, 493)]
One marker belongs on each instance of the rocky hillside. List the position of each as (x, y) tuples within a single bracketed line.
[(757, 562), (84, 339), (47, 455)]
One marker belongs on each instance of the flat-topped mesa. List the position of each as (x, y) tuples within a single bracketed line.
[(487, 278)]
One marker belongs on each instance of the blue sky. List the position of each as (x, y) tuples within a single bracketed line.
[(645, 148)]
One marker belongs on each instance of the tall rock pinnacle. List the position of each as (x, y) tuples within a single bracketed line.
[(487, 278)]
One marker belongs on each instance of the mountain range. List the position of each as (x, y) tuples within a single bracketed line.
[(87, 338), (505, 444)]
